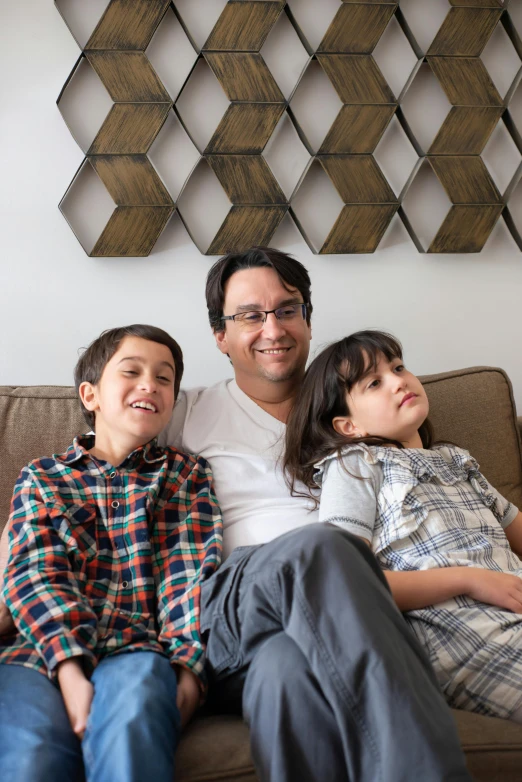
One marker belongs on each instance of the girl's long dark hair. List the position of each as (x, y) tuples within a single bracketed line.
[(310, 435)]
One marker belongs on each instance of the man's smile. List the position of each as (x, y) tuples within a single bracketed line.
[(274, 351)]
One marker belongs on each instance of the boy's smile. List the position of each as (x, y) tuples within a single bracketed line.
[(134, 399)]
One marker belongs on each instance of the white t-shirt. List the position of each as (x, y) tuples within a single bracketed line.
[(242, 443)]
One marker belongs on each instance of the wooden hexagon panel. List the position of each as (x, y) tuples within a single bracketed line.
[(369, 78)]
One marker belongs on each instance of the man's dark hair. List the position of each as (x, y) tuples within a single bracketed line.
[(291, 272), (94, 359)]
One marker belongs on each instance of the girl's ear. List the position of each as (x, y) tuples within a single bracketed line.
[(344, 425), (87, 393)]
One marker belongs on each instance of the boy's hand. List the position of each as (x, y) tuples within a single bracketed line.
[(189, 694), (6, 620), (77, 693), (498, 589)]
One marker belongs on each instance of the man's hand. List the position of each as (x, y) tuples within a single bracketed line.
[(189, 694), (77, 693), (6, 620), (498, 589)]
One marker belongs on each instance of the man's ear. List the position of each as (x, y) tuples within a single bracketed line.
[(344, 425), (221, 341), (88, 396)]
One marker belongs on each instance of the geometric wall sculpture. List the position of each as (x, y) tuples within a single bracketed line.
[(257, 103)]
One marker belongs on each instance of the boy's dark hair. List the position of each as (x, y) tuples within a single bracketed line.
[(94, 359), (290, 271), (310, 435)]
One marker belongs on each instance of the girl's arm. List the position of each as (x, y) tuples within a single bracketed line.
[(421, 588), (413, 589)]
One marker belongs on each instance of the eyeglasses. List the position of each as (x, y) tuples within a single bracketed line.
[(254, 320)]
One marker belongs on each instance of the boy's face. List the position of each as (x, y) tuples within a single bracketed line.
[(134, 398)]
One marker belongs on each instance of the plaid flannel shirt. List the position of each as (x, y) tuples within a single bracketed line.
[(104, 559)]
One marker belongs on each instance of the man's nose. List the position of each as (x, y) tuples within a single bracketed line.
[(272, 327)]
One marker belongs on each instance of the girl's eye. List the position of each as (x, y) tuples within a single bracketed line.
[(164, 379), (373, 384), (129, 372), (400, 368)]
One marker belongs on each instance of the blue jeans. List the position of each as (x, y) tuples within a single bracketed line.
[(131, 735)]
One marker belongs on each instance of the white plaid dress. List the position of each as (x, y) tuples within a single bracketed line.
[(422, 509)]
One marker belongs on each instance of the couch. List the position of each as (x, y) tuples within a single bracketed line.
[(471, 407)]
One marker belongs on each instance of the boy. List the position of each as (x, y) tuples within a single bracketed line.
[(108, 546)]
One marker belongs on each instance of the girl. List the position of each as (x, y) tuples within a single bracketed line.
[(448, 543)]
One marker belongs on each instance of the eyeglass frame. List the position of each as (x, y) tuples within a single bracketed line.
[(266, 313)]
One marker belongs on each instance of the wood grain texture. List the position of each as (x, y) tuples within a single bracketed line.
[(356, 79), (132, 231), (356, 28), (243, 26), (465, 130), (127, 24), (465, 179), (247, 226), (359, 229), (131, 180), (128, 77), (478, 3), (357, 129), (465, 81), (247, 179), (245, 128), (358, 179), (465, 229), (130, 129), (245, 77), (464, 32)]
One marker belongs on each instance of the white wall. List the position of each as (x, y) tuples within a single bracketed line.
[(450, 311)]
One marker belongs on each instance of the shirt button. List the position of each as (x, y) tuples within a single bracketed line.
[(115, 504), (125, 584), (112, 474)]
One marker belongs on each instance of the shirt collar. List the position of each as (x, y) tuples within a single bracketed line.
[(79, 449)]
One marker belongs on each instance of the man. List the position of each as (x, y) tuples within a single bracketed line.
[(302, 634)]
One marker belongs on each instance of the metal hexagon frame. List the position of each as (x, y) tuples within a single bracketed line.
[(116, 51)]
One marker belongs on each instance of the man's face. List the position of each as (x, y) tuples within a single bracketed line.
[(134, 399), (277, 351)]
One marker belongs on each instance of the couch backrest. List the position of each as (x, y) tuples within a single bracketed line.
[(34, 421), (473, 408)]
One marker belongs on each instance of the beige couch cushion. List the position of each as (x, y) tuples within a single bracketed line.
[(34, 421), (474, 408), (217, 748)]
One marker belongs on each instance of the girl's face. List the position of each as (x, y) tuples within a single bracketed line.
[(387, 401)]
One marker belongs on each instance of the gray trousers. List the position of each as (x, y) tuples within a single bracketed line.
[(304, 639)]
